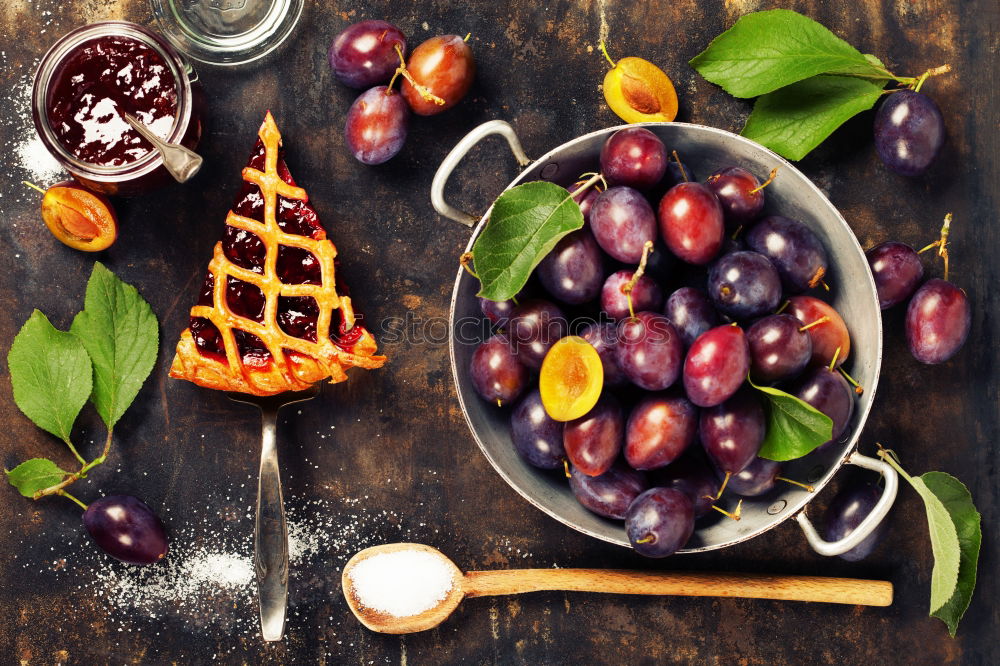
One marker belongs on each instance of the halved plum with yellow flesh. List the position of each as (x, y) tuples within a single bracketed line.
[(79, 218)]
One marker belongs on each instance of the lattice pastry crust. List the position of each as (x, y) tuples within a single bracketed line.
[(295, 363)]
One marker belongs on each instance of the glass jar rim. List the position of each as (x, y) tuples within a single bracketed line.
[(58, 53)]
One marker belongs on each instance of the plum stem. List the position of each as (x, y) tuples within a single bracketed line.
[(421, 90), (583, 183), (99, 460), (817, 278), (783, 307), (604, 49), (464, 263), (735, 515), (795, 483), (33, 186), (566, 468), (76, 454), (770, 179), (821, 320), (942, 244), (857, 387), (680, 166), (85, 467), (833, 362), (647, 247), (721, 488), (68, 496), (934, 71)]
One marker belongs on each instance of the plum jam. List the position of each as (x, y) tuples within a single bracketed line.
[(84, 84), (99, 80)]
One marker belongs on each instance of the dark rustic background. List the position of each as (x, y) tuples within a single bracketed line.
[(400, 452)]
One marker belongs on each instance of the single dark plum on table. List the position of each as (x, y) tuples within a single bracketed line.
[(909, 132), (938, 320), (796, 252), (716, 365), (603, 336), (659, 522), (496, 374), (534, 327), (125, 528), (376, 126), (646, 294), (851, 506), (364, 54), (536, 436), (594, 441), (779, 348), (744, 285), (691, 223), (691, 312), (633, 156), (649, 351), (897, 271), (622, 221), (829, 392), (611, 493), (739, 193), (659, 429), (573, 271), (445, 67)]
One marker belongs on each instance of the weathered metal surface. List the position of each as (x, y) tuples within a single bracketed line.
[(388, 453)]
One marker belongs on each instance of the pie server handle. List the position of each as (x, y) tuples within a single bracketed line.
[(271, 535)]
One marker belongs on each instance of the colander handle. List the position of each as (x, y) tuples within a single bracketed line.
[(870, 522), (455, 156)]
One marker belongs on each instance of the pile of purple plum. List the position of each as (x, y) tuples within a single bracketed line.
[(723, 296)]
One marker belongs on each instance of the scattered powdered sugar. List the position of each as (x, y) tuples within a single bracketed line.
[(403, 582), (209, 566), (206, 583), (30, 156), (36, 160), (31, 160)]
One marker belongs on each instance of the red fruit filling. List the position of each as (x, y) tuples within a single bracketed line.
[(244, 249), (297, 316), (208, 339), (253, 351), (245, 299), (297, 266), (297, 217)]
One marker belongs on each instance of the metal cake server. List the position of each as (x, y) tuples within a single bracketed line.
[(270, 543)]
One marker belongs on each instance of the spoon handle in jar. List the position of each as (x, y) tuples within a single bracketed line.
[(743, 585)]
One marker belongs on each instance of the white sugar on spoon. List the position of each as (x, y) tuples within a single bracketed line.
[(400, 588), (401, 583)]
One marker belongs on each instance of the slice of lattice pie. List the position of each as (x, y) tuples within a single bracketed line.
[(269, 317)]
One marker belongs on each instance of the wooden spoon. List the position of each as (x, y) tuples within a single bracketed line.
[(516, 581)]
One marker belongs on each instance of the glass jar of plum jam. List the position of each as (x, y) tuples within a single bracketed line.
[(92, 74)]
